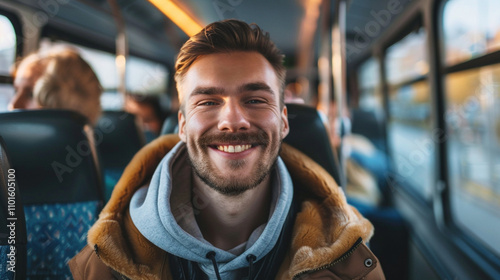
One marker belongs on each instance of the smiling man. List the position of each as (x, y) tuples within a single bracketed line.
[(227, 201)]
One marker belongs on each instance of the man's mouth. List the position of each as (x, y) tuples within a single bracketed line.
[(233, 148)]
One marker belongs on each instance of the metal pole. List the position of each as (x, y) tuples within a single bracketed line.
[(121, 47)]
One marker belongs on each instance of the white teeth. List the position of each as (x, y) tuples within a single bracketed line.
[(234, 148)]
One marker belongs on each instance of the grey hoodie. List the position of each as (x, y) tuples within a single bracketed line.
[(164, 214)]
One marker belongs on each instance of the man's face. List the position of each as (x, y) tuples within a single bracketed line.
[(231, 119), (25, 80)]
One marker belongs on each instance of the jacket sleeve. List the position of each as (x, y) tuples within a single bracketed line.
[(87, 266), (361, 264)]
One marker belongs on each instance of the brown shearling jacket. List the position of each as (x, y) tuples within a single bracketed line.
[(326, 238)]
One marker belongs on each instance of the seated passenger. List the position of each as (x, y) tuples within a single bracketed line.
[(293, 93), (149, 113), (57, 78), (367, 170), (224, 202), (364, 163)]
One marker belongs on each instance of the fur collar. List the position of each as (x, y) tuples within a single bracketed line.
[(325, 228)]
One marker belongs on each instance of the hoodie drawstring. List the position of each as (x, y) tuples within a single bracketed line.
[(250, 258), (211, 255)]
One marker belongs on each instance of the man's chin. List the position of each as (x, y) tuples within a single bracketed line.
[(232, 185), (231, 191)]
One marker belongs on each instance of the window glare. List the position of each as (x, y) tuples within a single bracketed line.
[(475, 34), (407, 59), (473, 129), (146, 77), (411, 136), (7, 45), (369, 86)]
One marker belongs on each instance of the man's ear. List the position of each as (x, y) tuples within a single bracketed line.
[(182, 125), (284, 118)]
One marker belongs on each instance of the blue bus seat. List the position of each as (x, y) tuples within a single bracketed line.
[(118, 138), (308, 134), (54, 155), (12, 222)]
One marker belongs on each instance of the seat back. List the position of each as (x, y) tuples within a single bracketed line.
[(308, 134), (54, 156), (118, 138), (12, 222), (170, 124), (370, 125)]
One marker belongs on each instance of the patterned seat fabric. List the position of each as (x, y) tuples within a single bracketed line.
[(56, 233), (4, 273)]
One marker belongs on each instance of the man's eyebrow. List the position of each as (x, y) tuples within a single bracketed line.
[(255, 87), (207, 90)]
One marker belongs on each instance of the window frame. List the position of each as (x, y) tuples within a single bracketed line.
[(469, 245)]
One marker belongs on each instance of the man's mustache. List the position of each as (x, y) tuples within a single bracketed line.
[(255, 138)]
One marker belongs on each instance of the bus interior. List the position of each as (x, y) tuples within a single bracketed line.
[(401, 92)]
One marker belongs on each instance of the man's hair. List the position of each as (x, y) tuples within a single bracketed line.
[(229, 36), (67, 82)]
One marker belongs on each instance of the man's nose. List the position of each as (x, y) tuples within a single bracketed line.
[(232, 117)]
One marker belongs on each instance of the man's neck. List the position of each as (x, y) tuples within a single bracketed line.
[(228, 221)]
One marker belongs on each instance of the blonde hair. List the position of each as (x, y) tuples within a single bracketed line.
[(67, 82)]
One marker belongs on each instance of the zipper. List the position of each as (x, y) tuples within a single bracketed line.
[(340, 259)]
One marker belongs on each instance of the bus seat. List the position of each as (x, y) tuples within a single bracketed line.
[(11, 212), (53, 154), (370, 125), (118, 138), (170, 124), (308, 134)]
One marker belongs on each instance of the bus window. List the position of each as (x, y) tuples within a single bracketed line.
[(472, 35), (410, 135), (8, 45), (473, 121), (142, 76), (369, 86), (146, 77)]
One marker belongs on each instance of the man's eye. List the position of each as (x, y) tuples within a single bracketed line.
[(255, 101), (208, 103)]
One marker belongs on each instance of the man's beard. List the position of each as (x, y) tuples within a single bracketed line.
[(232, 185)]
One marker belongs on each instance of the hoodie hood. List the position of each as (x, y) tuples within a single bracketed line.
[(325, 228), (161, 217)]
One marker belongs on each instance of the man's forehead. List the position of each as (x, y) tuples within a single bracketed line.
[(235, 70)]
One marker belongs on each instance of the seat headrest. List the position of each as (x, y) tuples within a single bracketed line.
[(308, 134), (369, 124), (53, 154), (117, 138)]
